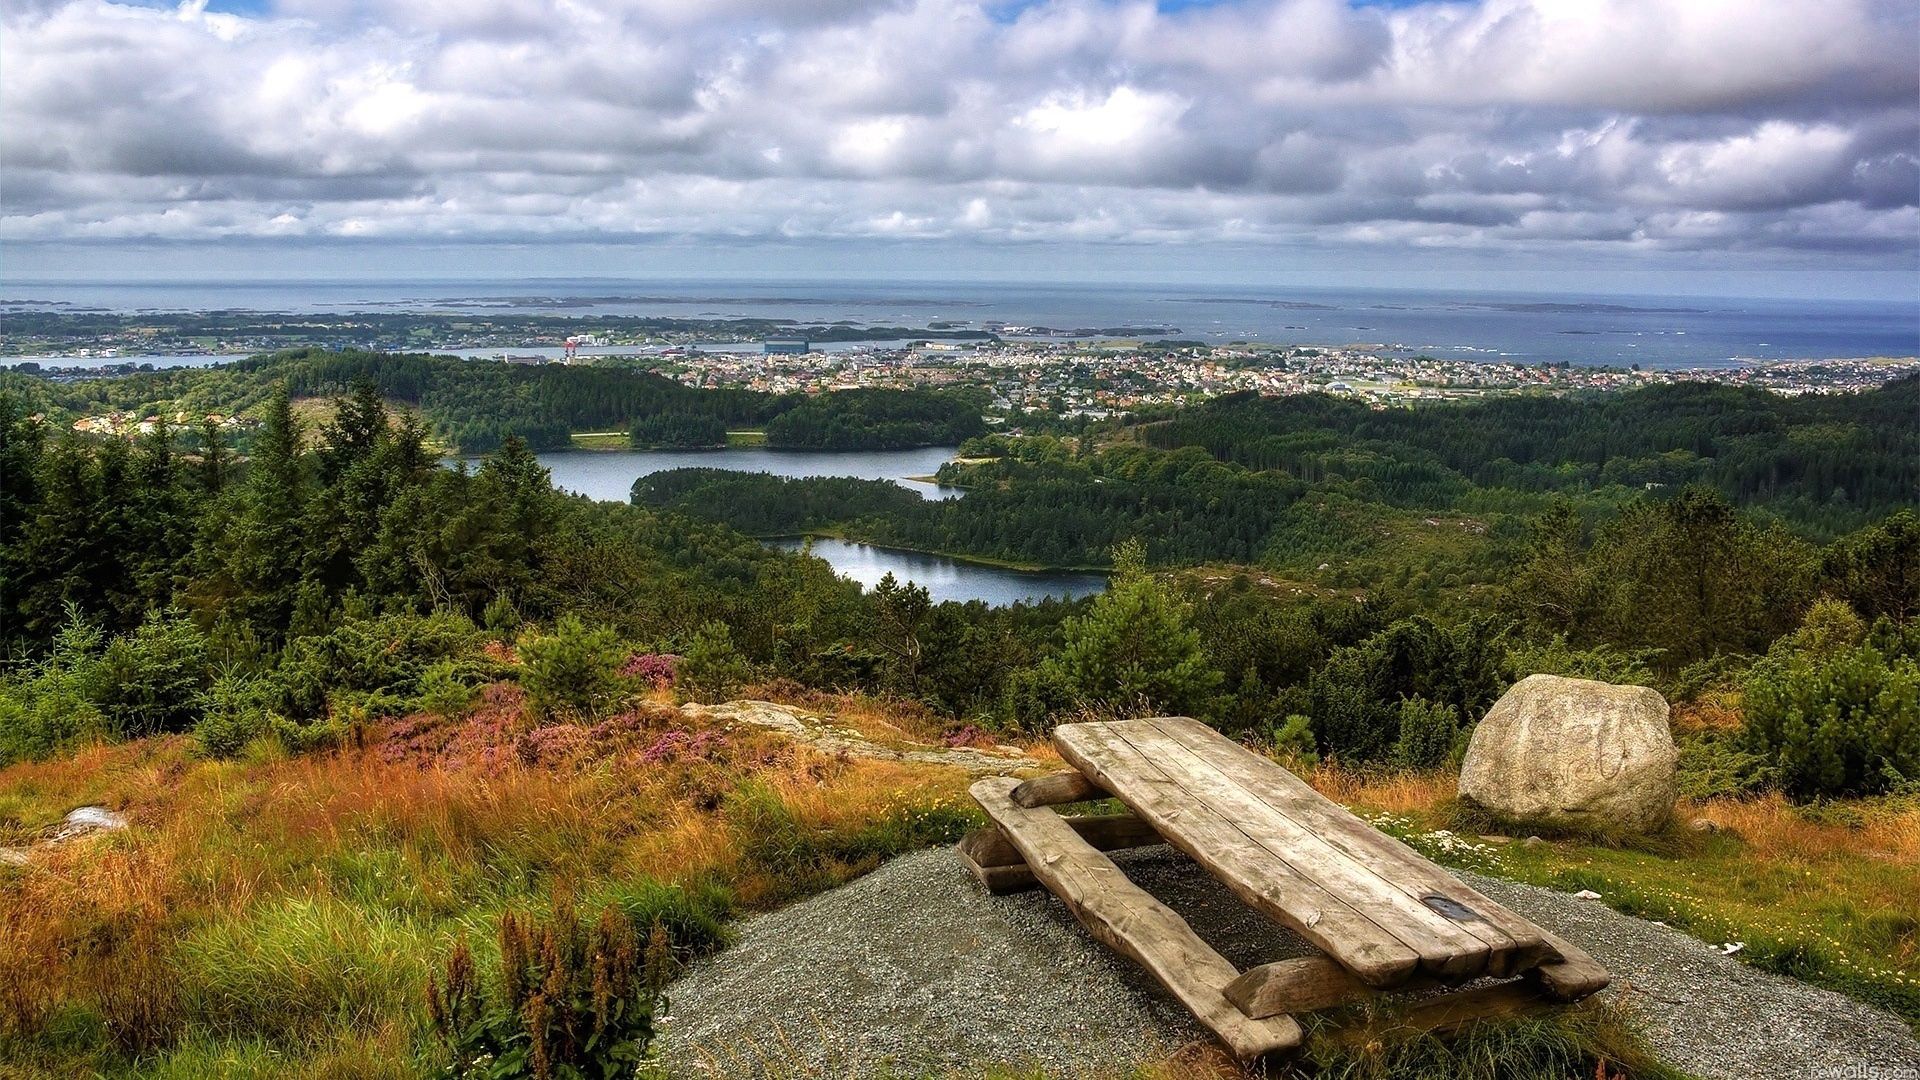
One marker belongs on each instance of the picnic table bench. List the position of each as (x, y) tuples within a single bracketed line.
[(1382, 916)]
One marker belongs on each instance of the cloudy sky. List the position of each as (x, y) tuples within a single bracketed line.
[(1664, 136)]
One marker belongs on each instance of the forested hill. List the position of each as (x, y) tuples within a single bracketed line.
[(474, 405), (874, 418), (1820, 461), (1441, 501)]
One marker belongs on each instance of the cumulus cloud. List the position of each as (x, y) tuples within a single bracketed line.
[(1635, 124)]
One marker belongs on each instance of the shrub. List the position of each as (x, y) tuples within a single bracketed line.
[(233, 714), (1034, 696), (500, 616), (1626, 667), (572, 1000), (150, 680), (48, 709), (1703, 677), (1846, 723), (575, 668), (1715, 763), (1136, 648), (373, 662), (444, 689), (1429, 732), (1293, 740), (1829, 628), (657, 670), (713, 669), (1878, 568), (1356, 695)]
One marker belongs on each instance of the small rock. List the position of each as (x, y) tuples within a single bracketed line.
[(1533, 841), (1586, 894), (1704, 825)]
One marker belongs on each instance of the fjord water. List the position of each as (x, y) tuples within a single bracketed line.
[(1613, 330), (609, 475)]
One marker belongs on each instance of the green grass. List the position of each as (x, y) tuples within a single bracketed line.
[(746, 438), (600, 440), (300, 971), (1819, 902)]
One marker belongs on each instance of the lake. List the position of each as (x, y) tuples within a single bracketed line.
[(608, 475), (948, 579)]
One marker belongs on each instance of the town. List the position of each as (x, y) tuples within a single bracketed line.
[(1102, 377), (1099, 378)]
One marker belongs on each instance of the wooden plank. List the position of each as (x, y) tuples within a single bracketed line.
[(1269, 884), (997, 880), (1056, 788), (1128, 919), (1571, 977), (999, 867), (1451, 1012), (1310, 983), (1447, 948), (1106, 832), (1514, 943), (1397, 863), (1303, 984)]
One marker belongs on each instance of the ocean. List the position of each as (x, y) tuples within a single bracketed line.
[(1652, 331)]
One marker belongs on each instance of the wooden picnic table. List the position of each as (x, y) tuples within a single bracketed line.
[(1382, 915)]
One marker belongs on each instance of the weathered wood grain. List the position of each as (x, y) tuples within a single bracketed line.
[(1056, 788), (1300, 985), (1451, 1012), (1129, 920), (1216, 841), (997, 880), (1513, 942), (1573, 975), (1447, 948)]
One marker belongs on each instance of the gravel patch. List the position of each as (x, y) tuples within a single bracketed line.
[(1711, 1015), (915, 970)]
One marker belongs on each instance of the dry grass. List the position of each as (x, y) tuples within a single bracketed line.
[(1375, 789), (1773, 828), (282, 911), (1716, 710)]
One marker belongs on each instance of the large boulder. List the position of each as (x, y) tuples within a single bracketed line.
[(1574, 752)]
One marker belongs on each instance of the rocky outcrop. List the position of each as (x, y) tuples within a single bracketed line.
[(823, 734), (84, 821), (1576, 753)]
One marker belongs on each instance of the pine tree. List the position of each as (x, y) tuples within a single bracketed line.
[(215, 459), (252, 563), (1136, 651)]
